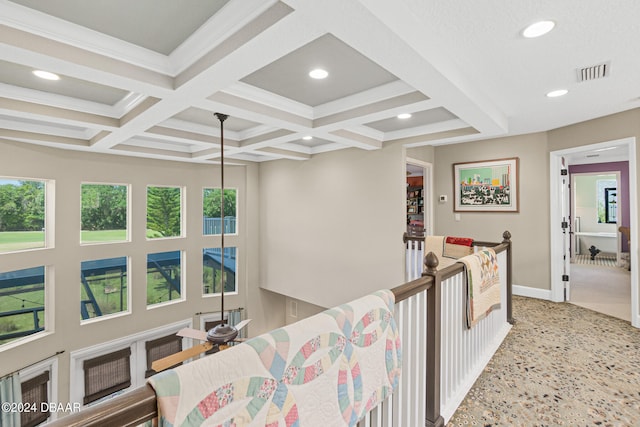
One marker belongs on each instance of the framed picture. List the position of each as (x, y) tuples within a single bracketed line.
[(486, 186)]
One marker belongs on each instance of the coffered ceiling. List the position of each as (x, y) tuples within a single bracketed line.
[(144, 77)]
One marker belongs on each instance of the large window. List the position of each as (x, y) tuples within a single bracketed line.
[(106, 374), (103, 287), (102, 371), (22, 214), (39, 386), (159, 348), (35, 393), (212, 276), (163, 277), (164, 212), (22, 298), (211, 221), (104, 213), (606, 199)]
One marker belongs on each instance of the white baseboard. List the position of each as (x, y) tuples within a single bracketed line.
[(526, 291)]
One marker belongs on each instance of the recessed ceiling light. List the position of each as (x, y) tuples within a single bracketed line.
[(318, 73), (307, 138), (46, 75), (404, 116), (538, 29), (557, 93)]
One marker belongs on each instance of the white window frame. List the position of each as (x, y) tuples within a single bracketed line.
[(138, 361), (183, 200), (126, 312), (128, 221), (237, 209), (218, 294), (49, 212), (183, 282), (51, 365), (49, 310)]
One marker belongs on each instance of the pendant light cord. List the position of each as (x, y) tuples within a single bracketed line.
[(222, 118)]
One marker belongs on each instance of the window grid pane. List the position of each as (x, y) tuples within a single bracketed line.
[(22, 214), (35, 392), (211, 221), (22, 309), (164, 209), (211, 270), (103, 213), (161, 347), (104, 287), (164, 277), (106, 374)]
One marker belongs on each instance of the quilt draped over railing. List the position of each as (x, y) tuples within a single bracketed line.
[(483, 284), (448, 248), (327, 370)]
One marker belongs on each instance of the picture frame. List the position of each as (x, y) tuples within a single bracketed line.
[(486, 186)]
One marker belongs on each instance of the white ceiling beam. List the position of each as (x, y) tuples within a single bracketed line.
[(416, 59)]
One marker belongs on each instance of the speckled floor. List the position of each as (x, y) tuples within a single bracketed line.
[(561, 365)]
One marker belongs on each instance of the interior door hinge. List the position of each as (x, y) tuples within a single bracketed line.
[(564, 225), (565, 277)]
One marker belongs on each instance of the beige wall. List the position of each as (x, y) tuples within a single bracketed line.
[(68, 169), (265, 308), (529, 227), (425, 154), (297, 310), (609, 128), (332, 226)]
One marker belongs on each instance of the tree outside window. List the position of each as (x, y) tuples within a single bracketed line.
[(103, 213), (211, 211), (164, 212), (22, 214)]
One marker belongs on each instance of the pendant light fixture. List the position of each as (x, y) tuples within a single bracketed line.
[(223, 332)]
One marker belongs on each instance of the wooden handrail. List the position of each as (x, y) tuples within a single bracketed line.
[(127, 410), (412, 288), (138, 406)]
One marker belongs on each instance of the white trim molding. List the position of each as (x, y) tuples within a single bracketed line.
[(528, 291), (138, 360)]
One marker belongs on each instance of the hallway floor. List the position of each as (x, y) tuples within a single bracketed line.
[(560, 365), (603, 289)]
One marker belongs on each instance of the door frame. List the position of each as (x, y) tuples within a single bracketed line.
[(427, 188), (556, 261), (573, 208)]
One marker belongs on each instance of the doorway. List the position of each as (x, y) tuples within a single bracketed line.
[(419, 188), (562, 271), (600, 280)]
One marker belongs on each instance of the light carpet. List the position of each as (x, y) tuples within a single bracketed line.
[(606, 290), (561, 365)]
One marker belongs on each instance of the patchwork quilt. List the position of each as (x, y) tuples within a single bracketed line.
[(483, 285), (327, 370)]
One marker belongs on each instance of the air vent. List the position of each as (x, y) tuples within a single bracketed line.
[(594, 72)]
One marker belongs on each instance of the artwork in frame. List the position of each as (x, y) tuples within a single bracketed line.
[(486, 186)]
